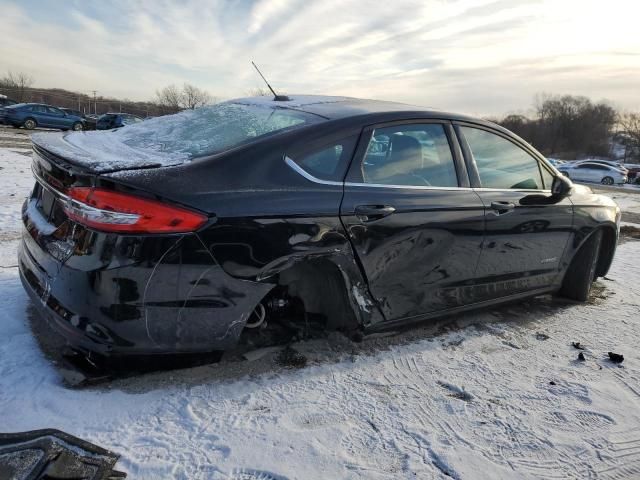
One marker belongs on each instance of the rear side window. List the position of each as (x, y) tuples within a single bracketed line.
[(411, 155), (501, 163), (327, 162)]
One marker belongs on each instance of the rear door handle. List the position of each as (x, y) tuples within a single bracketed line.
[(367, 213), (502, 207)]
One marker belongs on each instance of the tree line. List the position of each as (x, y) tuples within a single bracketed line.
[(571, 127), (171, 99), (565, 126)]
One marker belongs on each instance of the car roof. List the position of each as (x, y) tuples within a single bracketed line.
[(333, 107)]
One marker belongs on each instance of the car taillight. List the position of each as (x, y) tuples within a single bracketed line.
[(110, 211)]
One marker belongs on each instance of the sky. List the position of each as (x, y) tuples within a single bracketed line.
[(485, 57)]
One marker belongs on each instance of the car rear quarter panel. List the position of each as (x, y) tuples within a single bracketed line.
[(266, 218)]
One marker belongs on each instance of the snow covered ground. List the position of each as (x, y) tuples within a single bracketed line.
[(491, 394)]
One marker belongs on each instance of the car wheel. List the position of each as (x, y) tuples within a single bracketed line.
[(607, 181), (77, 127), (582, 270), (29, 124)]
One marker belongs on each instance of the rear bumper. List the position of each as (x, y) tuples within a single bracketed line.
[(168, 297)]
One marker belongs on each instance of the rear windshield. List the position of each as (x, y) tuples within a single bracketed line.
[(213, 129)]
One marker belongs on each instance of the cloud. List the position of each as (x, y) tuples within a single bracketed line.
[(477, 56)]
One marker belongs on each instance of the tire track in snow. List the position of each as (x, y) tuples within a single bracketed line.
[(623, 457)]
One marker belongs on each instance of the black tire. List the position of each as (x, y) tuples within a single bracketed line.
[(30, 124), (77, 127), (582, 270), (607, 181)]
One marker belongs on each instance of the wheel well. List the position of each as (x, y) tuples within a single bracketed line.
[(607, 248), (320, 286)]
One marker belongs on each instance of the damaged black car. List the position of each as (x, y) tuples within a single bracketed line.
[(178, 234)]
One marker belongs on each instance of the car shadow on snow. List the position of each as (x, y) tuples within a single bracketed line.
[(526, 317)]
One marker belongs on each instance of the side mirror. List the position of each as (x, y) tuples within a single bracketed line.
[(560, 187)]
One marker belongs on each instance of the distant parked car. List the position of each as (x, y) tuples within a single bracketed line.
[(610, 163), (633, 173), (116, 120), (88, 121), (593, 172), (555, 162), (6, 101), (32, 115)]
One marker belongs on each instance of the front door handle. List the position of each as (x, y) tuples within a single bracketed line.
[(502, 207), (367, 213)]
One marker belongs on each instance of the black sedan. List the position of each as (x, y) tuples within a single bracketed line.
[(116, 120), (178, 234)]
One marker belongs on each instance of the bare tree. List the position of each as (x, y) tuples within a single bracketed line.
[(570, 126), (17, 84), (259, 92), (194, 97), (172, 99), (629, 133), (169, 99)]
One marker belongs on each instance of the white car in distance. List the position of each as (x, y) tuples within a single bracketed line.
[(594, 172)]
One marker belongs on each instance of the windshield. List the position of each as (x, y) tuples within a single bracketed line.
[(212, 129)]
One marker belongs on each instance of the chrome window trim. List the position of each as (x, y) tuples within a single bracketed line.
[(487, 189), (404, 187), (301, 171)]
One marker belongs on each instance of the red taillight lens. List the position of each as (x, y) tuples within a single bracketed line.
[(111, 211)]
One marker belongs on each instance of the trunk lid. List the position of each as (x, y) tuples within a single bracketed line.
[(100, 152)]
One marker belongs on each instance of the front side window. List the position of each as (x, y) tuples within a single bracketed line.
[(501, 163), (411, 155)]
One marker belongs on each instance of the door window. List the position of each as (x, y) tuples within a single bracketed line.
[(411, 155), (501, 163), (593, 166)]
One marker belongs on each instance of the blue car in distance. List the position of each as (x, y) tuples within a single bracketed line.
[(32, 115)]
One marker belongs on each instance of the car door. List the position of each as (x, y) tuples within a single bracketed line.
[(598, 172), (527, 229), (39, 112), (414, 223), (57, 118)]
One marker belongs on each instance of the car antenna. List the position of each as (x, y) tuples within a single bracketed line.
[(276, 97)]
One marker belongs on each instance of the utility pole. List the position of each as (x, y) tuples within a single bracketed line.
[(95, 105)]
